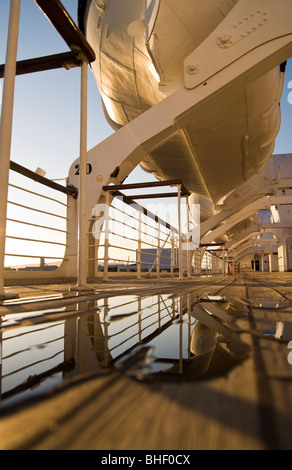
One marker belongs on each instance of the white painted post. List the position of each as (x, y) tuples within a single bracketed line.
[(139, 258), (140, 319), (82, 220), (189, 302), (179, 231), (172, 253), (106, 332), (189, 257), (224, 266), (6, 130), (106, 239), (158, 250), (181, 370)]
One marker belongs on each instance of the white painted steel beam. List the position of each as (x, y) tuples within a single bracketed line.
[(252, 30), (124, 150)]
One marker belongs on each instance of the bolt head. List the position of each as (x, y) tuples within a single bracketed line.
[(192, 69)]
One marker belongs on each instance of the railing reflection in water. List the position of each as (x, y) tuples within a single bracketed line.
[(135, 335), (56, 344)]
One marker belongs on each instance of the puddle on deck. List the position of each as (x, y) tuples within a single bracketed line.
[(158, 337)]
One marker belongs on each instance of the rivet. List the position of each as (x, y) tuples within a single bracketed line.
[(192, 69)]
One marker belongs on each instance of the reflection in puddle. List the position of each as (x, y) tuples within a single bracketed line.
[(282, 331), (212, 298), (160, 337), (271, 304)]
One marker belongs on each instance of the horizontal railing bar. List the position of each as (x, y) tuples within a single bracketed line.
[(123, 260), (153, 196), (36, 225), (136, 228), (163, 237), (123, 248), (37, 194), (123, 342), (134, 239), (122, 305), (117, 235), (36, 379), (132, 216), (69, 190), (65, 60), (143, 319), (136, 334), (41, 361), (153, 304), (35, 240), (152, 184), (123, 236), (115, 208), (32, 332), (143, 242), (22, 351), (37, 210), (144, 223), (35, 256), (149, 244), (130, 202)]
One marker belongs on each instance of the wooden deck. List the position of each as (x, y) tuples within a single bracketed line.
[(248, 407)]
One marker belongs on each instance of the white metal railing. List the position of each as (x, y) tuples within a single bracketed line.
[(81, 55), (58, 343), (151, 315), (37, 229), (122, 247), (212, 263), (133, 239), (22, 369), (130, 239), (134, 321)]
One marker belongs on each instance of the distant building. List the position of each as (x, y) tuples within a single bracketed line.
[(38, 268), (119, 268), (149, 259)]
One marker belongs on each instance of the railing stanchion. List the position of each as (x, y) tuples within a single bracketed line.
[(139, 257), (172, 254), (180, 232), (6, 129), (82, 216), (189, 254), (158, 250), (106, 240)]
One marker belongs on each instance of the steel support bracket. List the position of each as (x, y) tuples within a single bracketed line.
[(261, 28)]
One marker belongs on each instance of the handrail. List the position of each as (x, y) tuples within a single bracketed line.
[(69, 190), (152, 184)]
